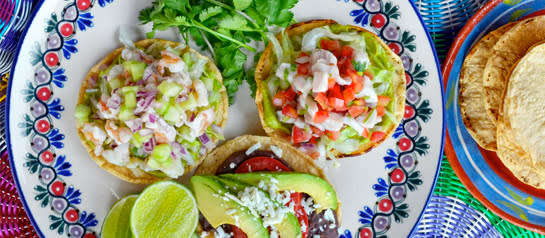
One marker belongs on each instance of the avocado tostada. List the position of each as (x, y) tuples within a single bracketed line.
[(331, 90), (151, 111), (255, 186)]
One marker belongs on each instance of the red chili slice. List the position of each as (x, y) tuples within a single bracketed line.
[(261, 163)]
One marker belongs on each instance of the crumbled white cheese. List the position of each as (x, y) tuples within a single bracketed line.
[(316, 236), (253, 148), (204, 234), (232, 165), (329, 216), (220, 233), (308, 205), (276, 150), (257, 201)]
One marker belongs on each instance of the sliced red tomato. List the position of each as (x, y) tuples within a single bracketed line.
[(303, 69), (321, 116), (368, 74), (300, 135), (290, 111), (300, 213), (381, 110), (383, 100), (261, 163), (332, 45), (345, 64), (357, 84), (347, 51), (356, 110), (348, 94), (333, 135), (237, 232), (377, 136), (365, 133)]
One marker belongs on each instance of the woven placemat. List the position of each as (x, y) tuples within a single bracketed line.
[(451, 212)]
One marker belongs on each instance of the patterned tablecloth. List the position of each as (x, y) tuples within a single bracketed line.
[(451, 211)]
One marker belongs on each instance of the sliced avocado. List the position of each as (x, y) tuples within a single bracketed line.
[(320, 190), (288, 227), (219, 208), (136, 69)]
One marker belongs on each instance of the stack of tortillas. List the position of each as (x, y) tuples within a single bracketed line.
[(502, 97)]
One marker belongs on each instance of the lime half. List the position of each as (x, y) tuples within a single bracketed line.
[(116, 224), (164, 209)]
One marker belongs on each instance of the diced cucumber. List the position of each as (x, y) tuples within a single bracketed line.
[(189, 104), (169, 89), (115, 83), (82, 113), (161, 153), (130, 99), (188, 60), (172, 115), (184, 133), (136, 69), (165, 105), (125, 113)]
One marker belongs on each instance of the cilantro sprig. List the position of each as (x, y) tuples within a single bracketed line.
[(224, 28)]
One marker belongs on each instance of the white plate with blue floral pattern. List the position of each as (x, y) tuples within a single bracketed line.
[(66, 194)]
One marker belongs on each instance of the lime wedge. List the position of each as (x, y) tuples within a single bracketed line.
[(164, 209), (116, 224)]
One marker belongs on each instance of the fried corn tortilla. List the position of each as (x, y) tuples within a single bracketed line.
[(268, 59), (297, 160), (523, 109), (512, 46), (139, 176), (477, 121)]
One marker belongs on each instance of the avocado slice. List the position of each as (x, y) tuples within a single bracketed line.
[(219, 207), (320, 190), (288, 227)]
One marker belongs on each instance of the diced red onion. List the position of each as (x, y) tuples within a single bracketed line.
[(202, 151), (114, 102), (308, 146), (148, 72), (149, 145), (140, 82), (206, 141), (134, 124), (152, 118), (92, 81)]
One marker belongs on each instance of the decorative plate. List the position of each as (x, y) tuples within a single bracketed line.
[(67, 195), (481, 171)]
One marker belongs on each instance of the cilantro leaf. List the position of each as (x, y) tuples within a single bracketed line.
[(241, 4), (359, 66), (210, 12), (234, 22)]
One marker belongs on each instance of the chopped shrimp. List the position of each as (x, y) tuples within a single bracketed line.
[(94, 134), (105, 112), (120, 135), (172, 62), (201, 122)]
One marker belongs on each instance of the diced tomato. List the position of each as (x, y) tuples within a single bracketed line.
[(302, 54), (333, 135), (316, 132), (335, 91), (377, 136), (337, 103), (357, 81), (321, 116), (281, 98), (237, 232), (356, 110), (303, 69), (365, 133), (322, 100), (300, 213), (290, 111), (261, 163), (383, 100), (368, 74), (348, 94), (347, 51), (381, 110), (359, 102), (332, 45), (300, 135), (313, 140), (330, 83)]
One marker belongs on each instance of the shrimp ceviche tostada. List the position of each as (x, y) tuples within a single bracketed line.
[(151, 111)]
